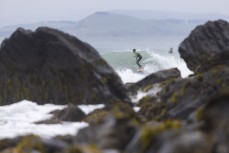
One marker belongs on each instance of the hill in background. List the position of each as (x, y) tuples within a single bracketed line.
[(126, 24)]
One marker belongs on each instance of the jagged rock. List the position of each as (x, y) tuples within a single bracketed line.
[(182, 97), (215, 116), (205, 44), (116, 130), (187, 142), (8, 143), (169, 137), (149, 137), (113, 134), (150, 109), (154, 78), (49, 66), (32, 143), (98, 116), (215, 113), (72, 114), (83, 149)]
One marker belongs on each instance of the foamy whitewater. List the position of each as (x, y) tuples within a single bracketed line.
[(124, 63), (18, 119)]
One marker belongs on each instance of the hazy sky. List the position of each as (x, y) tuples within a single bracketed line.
[(28, 11)]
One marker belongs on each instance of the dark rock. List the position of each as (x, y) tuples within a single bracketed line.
[(157, 77), (97, 116), (148, 138), (150, 109), (215, 115), (8, 143), (181, 97), (116, 130), (216, 111), (113, 134), (83, 149), (187, 142), (68, 139), (72, 114), (32, 143), (51, 66), (120, 109), (205, 44)]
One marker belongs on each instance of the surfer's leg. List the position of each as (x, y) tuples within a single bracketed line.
[(138, 60)]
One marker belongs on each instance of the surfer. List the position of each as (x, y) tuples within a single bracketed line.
[(138, 59), (171, 50)]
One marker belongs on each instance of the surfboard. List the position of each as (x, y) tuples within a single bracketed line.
[(141, 69)]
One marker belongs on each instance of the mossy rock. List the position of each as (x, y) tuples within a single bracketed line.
[(119, 110), (149, 81), (199, 113), (83, 149), (58, 68), (150, 109), (114, 131), (96, 116), (122, 110), (148, 87), (150, 133), (68, 139), (30, 144), (6, 143), (146, 99), (167, 82), (73, 149)]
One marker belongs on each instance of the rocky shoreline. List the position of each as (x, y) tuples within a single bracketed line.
[(184, 115)]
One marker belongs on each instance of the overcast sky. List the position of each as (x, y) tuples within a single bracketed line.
[(29, 11)]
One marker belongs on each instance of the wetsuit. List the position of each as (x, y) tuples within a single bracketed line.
[(138, 58)]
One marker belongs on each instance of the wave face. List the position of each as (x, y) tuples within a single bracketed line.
[(125, 64)]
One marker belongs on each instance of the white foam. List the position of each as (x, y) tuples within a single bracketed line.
[(136, 109), (18, 119), (139, 96), (168, 61), (90, 108), (154, 90), (128, 75)]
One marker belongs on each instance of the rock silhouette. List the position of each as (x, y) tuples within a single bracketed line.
[(49, 66), (205, 43)]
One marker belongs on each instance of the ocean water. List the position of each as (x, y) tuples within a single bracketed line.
[(118, 53), (125, 65)]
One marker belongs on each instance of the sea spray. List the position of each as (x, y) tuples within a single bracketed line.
[(128, 75)]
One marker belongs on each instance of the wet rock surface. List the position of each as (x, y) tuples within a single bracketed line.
[(152, 79)]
